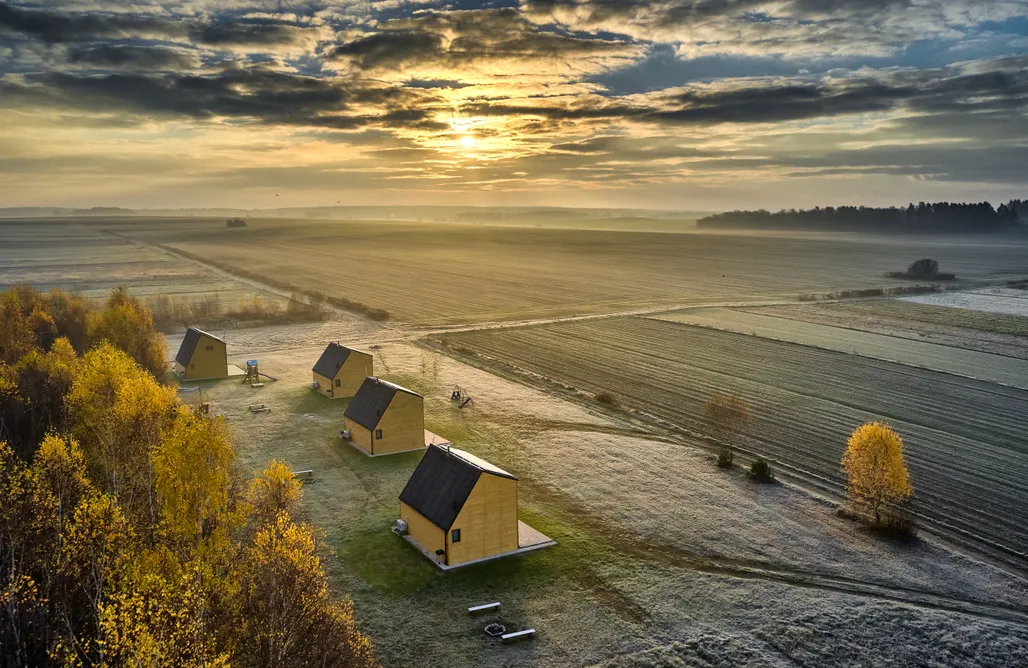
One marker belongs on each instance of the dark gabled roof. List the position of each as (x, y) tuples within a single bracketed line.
[(330, 361), (442, 483), (371, 401), (185, 351)]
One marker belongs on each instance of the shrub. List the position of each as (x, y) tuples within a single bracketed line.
[(607, 398), (897, 525), (725, 458), (761, 471), (235, 222), (923, 267)]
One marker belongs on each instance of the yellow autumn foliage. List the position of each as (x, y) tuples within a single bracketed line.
[(876, 471), (191, 468), (127, 540), (274, 492)]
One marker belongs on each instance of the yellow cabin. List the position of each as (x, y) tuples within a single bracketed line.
[(384, 418), (340, 371), (458, 508), (200, 356)]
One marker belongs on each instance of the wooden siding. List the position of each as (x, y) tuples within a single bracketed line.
[(324, 384), (355, 369), (359, 436), (402, 425), (350, 375), (422, 531), (488, 522), (206, 363)]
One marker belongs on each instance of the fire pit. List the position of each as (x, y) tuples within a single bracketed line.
[(494, 629)]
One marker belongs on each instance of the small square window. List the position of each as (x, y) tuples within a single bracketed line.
[(338, 382), (378, 433), (210, 347), (192, 366), (455, 536)]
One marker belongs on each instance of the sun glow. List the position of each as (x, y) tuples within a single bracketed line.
[(467, 141)]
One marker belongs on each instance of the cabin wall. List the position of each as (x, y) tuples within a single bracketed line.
[(355, 369), (359, 436), (324, 384), (488, 522), (421, 530), (206, 363), (402, 425)]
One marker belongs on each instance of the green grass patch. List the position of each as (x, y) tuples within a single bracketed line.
[(381, 558)]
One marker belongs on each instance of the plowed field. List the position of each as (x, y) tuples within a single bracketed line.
[(965, 439), (444, 274)]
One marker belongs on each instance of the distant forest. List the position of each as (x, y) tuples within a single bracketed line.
[(915, 218)]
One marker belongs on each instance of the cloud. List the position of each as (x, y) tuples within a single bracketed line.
[(131, 57), (491, 41), (785, 28), (254, 34), (55, 27)]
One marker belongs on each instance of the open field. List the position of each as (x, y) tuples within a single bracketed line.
[(961, 328), (970, 363), (445, 274), (661, 557), (964, 438), (77, 257), (1007, 301)]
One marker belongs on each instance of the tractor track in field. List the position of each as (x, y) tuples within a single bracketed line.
[(675, 556), (755, 570)]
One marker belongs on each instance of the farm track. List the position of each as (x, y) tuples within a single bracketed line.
[(675, 556), (963, 437), (801, 578)]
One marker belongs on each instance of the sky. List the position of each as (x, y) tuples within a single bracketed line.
[(668, 104)]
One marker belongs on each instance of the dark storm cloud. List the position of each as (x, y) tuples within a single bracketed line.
[(130, 57), (56, 27)]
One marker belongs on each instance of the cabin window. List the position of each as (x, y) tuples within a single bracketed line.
[(338, 382), (210, 347), (192, 366), (378, 433), (455, 536)]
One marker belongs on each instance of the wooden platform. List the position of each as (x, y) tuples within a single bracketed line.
[(435, 439)]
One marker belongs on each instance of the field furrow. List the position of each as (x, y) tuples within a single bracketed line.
[(964, 438)]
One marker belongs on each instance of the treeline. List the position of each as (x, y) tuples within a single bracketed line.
[(915, 218), (172, 314), (127, 537)]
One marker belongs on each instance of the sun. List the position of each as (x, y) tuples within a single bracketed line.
[(467, 141)]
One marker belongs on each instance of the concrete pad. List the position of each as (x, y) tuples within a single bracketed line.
[(435, 439)]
